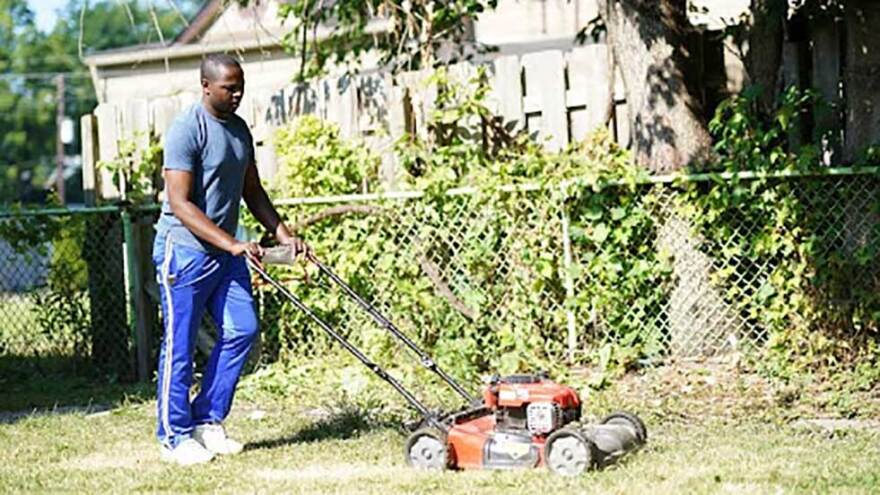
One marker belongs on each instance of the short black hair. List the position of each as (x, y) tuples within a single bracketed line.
[(208, 69)]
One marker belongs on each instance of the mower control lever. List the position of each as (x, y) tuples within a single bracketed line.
[(279, 255)]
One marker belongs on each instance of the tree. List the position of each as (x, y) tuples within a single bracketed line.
[(30, 59), (26, 110), (649, 41), (406, 34), (766, 31)]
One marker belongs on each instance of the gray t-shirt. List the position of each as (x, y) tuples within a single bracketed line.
[(217, 152)]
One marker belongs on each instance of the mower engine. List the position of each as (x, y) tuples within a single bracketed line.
[(530, 404), (525, 421)]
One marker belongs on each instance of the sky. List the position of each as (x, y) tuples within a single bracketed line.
[(45, 12)]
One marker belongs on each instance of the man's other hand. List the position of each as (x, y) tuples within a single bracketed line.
[(251, 250)]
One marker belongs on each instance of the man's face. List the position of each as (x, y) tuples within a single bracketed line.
[(224, 93)]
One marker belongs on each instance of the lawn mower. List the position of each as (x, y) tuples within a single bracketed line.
[(520, 421)]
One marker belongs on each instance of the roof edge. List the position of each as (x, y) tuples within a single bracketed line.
[(150, 53), (153, 53)]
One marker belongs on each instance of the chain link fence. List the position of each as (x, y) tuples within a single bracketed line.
[(504, 279), (62, 293), (668, 268)]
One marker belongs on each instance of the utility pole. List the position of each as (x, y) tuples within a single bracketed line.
[(59, 145)]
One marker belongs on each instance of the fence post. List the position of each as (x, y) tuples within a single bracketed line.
[(137, 305), (567, 277), (89, 158)]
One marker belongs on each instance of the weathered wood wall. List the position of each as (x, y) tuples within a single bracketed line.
[(558, 95)]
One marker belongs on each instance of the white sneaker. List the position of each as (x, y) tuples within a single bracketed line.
[(187, 453), (213, 437)]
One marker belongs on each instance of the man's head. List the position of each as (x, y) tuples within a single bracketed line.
[(222, 84)]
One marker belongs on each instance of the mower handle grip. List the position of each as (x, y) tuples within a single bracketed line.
[(283, 255)]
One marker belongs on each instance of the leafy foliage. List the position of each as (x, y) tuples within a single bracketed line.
[(314, 161), (817, 237), (403, 34), (62, 309), (29, 62), (495, 320), (138, 166), (805, 254)]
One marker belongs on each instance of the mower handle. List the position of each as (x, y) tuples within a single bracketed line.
[(375, 368), (284, 255)]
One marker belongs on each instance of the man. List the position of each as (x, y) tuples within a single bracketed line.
[(208, 168)]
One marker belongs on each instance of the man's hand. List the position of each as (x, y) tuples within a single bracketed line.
[(251, 250), (297, 246)]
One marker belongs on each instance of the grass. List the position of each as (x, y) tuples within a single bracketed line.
[(293, 453), (707, 435)]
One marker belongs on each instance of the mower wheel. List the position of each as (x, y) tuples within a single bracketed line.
[(568, 452), (426, 449), (630, 420)]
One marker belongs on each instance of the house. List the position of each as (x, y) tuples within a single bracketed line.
[(255, 33)]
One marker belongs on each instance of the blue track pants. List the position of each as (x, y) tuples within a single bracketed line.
[(191, 281)]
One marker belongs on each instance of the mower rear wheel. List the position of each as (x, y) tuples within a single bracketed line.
[(631, 420), (426, 449), (569, 452)]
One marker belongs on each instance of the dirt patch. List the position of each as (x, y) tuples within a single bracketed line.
[(725, 388), (690, 391), (831, 425), (119, 456), (335, 472), (8, 417)]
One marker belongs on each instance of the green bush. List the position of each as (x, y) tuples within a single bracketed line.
[(817, 235), (483, 320), (313, 161)]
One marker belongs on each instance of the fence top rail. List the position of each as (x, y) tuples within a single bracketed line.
[(462, 191), (757, 175), (88, 210), (583, 182)]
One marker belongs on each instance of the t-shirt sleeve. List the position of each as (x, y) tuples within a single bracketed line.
[(181, 148), (251, 147)]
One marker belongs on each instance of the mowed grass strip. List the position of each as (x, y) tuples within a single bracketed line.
[(292, 451)]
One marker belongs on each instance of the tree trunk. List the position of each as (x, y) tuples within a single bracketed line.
[(764, 56), (861, 76), (862, 129), (647, 38), (649, 41)]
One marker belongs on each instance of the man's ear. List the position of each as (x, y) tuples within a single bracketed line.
[(204, 83)]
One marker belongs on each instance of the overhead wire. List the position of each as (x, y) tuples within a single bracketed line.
[(44, 75), (177, 10)]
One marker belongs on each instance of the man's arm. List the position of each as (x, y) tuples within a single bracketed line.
[(258, 202), (178, 184)]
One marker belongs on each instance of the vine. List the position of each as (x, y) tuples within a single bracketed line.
[(137, 167)]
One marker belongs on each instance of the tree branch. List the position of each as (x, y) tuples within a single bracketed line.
[(431, 270)]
